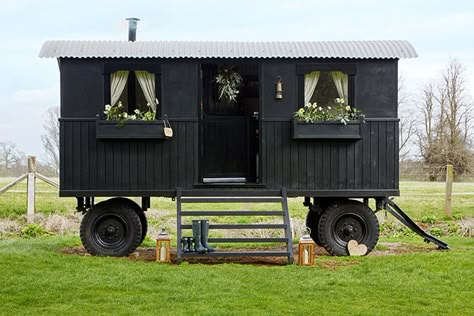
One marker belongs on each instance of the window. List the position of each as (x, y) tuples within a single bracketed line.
[(134, 89), (323, 87)]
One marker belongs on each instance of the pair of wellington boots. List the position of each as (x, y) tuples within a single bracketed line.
[(201, 236)]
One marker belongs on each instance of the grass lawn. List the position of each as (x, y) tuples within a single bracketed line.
[(37, 280), (417, 198)]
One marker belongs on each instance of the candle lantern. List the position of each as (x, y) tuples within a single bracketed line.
[(279, 88), (306, 249), (163, 245)]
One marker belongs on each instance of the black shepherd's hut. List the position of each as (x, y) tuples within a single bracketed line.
[(248, 148)]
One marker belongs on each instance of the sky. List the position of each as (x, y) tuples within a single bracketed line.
[(439, 31)]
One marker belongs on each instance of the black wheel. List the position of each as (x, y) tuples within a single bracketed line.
[(312, 221), (346, 220), (111, 229), (136, 208)]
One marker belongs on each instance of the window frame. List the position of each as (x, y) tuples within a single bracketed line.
[(303, 69), (112, 67)]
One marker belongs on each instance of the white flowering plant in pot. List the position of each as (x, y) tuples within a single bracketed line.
[(339, 111), (116, 113)]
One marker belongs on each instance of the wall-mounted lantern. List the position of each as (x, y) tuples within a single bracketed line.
[(279, 88), (163, 243), (306, 250)]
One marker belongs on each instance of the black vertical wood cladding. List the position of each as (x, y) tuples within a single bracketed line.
[(333, 165), (126, 165), (138, 166)]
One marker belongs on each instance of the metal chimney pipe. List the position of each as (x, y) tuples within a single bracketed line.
[(132, 29)]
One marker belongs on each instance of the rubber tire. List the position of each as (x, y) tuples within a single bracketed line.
[(131, 220), (312, 221), (136, 208), (329, 219)]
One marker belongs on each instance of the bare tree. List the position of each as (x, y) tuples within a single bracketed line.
[(447, 116), (407, 120), (50, 138), (10, 158)]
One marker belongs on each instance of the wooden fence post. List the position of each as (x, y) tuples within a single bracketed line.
[(31, 187), (449, 190)]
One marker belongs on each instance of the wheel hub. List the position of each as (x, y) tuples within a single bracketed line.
[(110, 231), (349, 226)]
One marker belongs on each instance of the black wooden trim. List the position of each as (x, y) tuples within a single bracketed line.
[(349, 69), (291, 193), (110, 67), (382, 119), (77, 119)]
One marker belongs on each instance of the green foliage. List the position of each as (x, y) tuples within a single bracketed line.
[(428, 219), (33, 231), (228, 83), (437, 232), (339, 111)]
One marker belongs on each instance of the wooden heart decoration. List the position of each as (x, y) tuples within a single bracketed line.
[(356, 249)]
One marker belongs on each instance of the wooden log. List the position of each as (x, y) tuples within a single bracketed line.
[(13, 183), (449, 190), (47, 180), (31, 187)]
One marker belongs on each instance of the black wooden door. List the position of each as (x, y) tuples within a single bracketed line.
[(224, 146), (228, 129)]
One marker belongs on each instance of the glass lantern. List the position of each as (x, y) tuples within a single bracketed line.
[(306, 250), (163, 245)]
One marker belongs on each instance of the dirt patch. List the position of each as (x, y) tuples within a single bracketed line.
[(148, 254)]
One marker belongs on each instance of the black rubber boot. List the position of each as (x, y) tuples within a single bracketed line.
[(205, 235), (191, 244), (197, 237), (184, 244)]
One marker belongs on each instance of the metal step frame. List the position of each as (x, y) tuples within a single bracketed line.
[(286, 226)]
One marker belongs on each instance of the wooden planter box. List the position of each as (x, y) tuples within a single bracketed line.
[(327, 130), (129, 130)]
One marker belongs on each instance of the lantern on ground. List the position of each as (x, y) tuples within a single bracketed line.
[(163, 245), (306, 249)]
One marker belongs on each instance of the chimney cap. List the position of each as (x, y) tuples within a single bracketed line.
[(133, 19)]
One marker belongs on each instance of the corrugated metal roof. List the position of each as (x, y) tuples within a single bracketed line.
[(177, 49)]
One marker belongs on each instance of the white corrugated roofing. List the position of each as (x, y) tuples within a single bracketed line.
[(178, 49)]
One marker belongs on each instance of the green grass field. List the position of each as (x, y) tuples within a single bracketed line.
[(38, 280)]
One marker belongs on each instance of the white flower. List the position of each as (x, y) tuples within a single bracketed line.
[(342, 100), (338, 100), (137, 111), (320, 108), (108, 107), (348, 108), (308, 105), (120, 104), (315, 105), (125, 115), (329, 107), (133, 117)]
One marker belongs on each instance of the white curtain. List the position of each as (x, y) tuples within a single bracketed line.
[(147, 83), (310, 83), (118, 80), (341, 81)]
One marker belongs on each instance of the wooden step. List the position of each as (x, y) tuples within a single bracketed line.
[(237, 254), (232, 213), (247, 240), (257, 199), (240, 226)]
